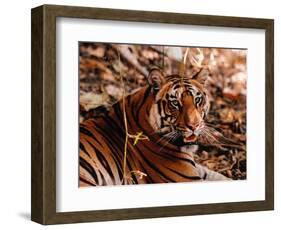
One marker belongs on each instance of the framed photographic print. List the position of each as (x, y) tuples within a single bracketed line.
[(140, 114)]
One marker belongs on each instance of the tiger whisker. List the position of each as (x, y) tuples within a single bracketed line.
[(167, 135), (176, 134), (211, 139), (165, 144), (220, 141), (206, 132)]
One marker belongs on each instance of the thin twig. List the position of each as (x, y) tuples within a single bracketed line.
[(125, 121), (137, 137)]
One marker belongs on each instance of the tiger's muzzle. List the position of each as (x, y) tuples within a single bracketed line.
[(190, 133)]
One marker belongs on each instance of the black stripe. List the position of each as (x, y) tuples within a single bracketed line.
[(104, 163), (196, 75), (115, 147), (113, 125), (102, 133), (187, 160), (184, 176), (81, 146), (159, 112), (155, 168), (116, 143), (136, 114), (171, 156), (88, 168), (145, 96), (87, 182), (103, 179), (205, 176), (144, 99), (88, 133), (176, 86), (117, 109)]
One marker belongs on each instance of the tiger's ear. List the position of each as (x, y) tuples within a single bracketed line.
[(202, 76), (156, 79)]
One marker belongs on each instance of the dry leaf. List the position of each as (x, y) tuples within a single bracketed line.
[(91, 100), (196, 57)]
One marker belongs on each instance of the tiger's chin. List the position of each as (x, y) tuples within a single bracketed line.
[(187, 145)]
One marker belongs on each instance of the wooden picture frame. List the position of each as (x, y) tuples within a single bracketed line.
[(43, 208)]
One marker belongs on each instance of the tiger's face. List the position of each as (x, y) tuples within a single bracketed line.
[(180, 106)]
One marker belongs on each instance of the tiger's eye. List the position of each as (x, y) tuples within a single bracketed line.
[(197, 100), (174, 103)]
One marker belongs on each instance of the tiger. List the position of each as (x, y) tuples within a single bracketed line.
[(169, 112)]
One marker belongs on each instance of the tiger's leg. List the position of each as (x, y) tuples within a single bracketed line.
[(207, 174), (204, 172)]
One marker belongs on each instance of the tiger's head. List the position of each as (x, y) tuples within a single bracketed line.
[(180, 106)]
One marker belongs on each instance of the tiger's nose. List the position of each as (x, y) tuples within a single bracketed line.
[(192, 127)]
